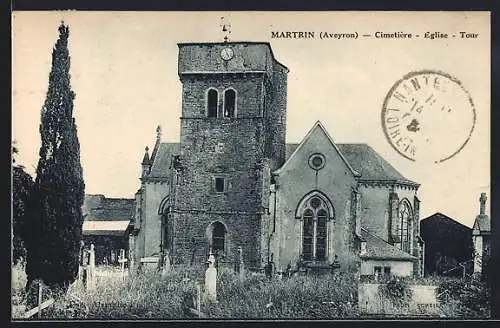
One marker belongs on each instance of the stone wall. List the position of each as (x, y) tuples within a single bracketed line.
[(398, 268), (248, 87), (192, 236), (154, 192), (375, 209), (205, 57), (235, 149), (275, 100), (371, 302)]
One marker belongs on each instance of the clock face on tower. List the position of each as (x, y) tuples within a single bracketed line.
[(227, 53)]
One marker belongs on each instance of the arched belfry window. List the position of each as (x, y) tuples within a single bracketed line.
[(405, 216), (315, 211), (212, 102), (229, 103)]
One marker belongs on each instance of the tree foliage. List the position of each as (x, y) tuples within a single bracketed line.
[(56, 231), (22, 185)]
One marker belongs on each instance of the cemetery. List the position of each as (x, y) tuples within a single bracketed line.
[(158, 290)]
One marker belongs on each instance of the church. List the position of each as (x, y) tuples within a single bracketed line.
[(232, 182)]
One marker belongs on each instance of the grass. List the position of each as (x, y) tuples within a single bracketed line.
[(18, 282), (304, 297), (150, 295)]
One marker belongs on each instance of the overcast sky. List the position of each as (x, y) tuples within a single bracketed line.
[(124, 73)]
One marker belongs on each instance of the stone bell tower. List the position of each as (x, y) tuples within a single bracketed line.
[(232, 137)]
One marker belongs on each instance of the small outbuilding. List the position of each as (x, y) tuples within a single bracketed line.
[(105, 224)]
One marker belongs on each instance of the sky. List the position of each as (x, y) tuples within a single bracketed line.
[(124, 74)]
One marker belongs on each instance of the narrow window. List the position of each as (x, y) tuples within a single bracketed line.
[(321, 236), (307, 242), (229, 103), (377, 271), (212, 99), (218, 237), (219, 184), (404, 226), (387, 271)]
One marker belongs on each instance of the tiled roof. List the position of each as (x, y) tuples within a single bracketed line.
[(360, 156), (482, 224), (289, 149), (161, 164), (100, 208), (377, 248), (364, 160)]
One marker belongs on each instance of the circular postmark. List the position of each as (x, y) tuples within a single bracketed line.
[(428, 116)]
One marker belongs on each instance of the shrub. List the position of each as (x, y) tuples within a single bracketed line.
[(398, 291), (465, 298)]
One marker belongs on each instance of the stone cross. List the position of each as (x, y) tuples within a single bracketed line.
[(482, 201), (122, 261), (211, 279)]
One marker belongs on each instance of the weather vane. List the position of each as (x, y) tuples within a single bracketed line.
[(226, 28)]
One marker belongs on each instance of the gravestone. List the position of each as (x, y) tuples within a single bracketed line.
[(165, 263), (90, 270), (211, 280), (241, 267)]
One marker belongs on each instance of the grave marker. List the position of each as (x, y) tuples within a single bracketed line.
[(241, 264), (122, 260), (211, 279)]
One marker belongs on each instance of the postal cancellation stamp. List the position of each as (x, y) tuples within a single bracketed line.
[(428, 116)]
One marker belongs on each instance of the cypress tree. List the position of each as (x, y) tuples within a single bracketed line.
[(56, 231)]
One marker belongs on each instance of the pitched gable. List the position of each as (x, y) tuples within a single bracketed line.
[(482, 225), (317, 130), (362, 159)]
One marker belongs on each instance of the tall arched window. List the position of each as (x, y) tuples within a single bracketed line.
[(229, 103), (218, 241), (314, 229), (405, 221), (212, 101)]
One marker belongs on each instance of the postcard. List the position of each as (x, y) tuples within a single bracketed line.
[(251, 165)]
